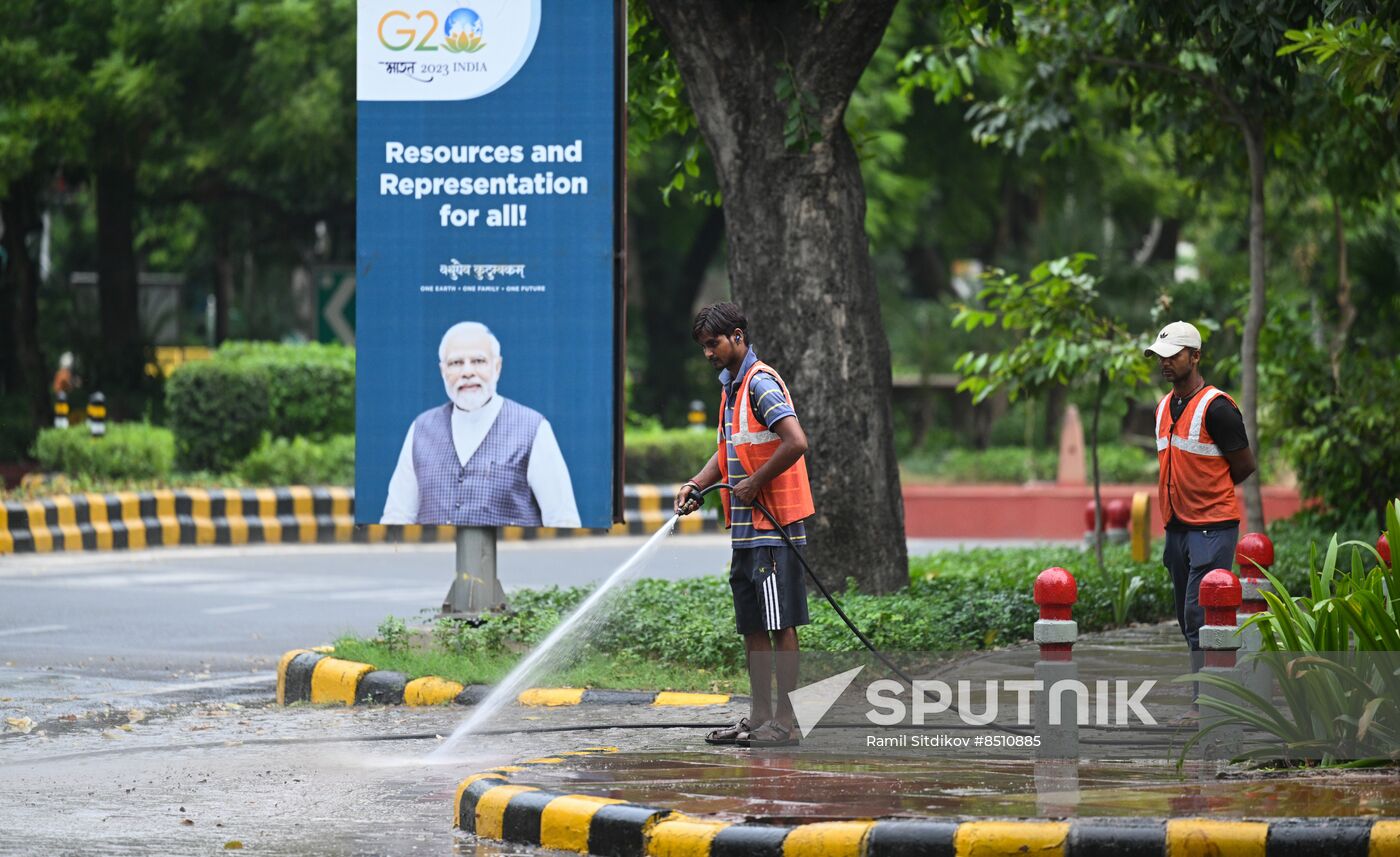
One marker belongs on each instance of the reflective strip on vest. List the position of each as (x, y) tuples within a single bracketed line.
[(788, 495), (743, 435), (1199, 478), (1192, 446), (1192, 442), (1198, 419), (1162, 439)]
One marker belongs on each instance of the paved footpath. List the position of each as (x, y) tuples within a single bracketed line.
[(192, 778)]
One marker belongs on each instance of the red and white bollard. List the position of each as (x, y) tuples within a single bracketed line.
[(1117, 512), (1220, 596), (1254, 551), (1055, 633)]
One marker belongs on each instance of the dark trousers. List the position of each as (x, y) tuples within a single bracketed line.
[(1190, 556)]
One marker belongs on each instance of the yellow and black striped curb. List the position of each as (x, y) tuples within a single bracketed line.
[(238, 516), (304, 675), (488, 805)]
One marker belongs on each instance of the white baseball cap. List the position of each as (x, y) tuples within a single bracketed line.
[(1173, 338)]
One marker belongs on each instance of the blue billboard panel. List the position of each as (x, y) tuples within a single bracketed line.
[(488, 252)]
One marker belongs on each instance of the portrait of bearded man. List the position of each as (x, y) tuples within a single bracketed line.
[(480, 459)]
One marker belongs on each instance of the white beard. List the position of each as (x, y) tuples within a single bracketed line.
[(469, 400)]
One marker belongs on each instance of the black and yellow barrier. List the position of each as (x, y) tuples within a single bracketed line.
[(304, 675), (237, 516), (491, 806)]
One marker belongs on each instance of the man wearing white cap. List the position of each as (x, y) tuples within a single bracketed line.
[(1202, 453)]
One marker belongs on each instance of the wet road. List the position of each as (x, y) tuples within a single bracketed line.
[(211, 622), (192, 779), (134, 689), (153, 627)]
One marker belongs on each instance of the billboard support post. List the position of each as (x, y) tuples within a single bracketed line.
[(475, 588)]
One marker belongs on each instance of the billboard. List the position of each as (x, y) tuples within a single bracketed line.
[(488, 262)]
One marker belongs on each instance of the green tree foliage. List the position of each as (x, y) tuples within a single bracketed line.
[(1343, 438), (1201, 72), (41, 132), (1060, 336), (1361, 53)]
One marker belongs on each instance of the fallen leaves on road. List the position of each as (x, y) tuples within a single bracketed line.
[(187, 822), (233, 845), (135, 715), (19, 724)]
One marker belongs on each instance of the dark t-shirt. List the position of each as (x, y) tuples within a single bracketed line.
[(1225, 425)]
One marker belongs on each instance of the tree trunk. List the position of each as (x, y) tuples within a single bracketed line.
[(1346, 310), (799, 260), (20, 213), (223, 286), (118, 289), (1253, 321), (1055, 398)]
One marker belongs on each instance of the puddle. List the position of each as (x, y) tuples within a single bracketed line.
[(806, 787)]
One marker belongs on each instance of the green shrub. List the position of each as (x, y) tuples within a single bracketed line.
[(667, 455), (279, 461), (1123, 463), (956, 600), (999, 464), (128, 451), (1016, 464), (218, 412), (310, 387)]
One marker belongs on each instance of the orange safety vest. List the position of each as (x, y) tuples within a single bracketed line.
[(789, 495), (1193, 481)]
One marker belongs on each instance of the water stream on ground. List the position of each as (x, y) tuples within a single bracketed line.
[(562, 643)]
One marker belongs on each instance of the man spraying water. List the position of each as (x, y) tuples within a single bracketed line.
[(760, 449)]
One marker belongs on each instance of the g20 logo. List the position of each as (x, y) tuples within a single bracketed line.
[(462, 31)]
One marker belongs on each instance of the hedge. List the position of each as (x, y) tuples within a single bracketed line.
[(667, 455), (1017, 464), (218, 411), (310, 387), (279, 461), (127, 451), (221, 408)]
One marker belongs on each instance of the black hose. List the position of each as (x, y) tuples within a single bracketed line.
[(831, 599), (782, 531)]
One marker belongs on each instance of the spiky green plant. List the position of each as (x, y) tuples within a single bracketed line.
[(1335, 653)]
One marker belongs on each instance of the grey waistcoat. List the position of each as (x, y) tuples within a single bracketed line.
[(491, 490)]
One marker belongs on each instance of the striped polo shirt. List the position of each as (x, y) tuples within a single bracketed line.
[(769, 405)]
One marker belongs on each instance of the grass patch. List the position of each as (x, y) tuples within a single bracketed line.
[(679, 634), (625, 672)]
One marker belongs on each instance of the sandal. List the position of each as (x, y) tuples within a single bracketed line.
[(729, 734), (770, 734)]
